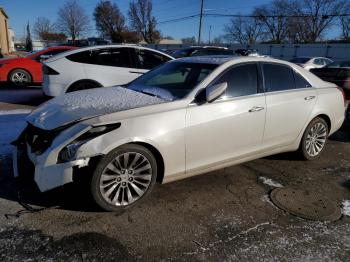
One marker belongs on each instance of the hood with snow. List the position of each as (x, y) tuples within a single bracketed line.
[(77, 106)]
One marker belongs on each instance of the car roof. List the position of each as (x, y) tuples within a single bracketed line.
[(78, 50)]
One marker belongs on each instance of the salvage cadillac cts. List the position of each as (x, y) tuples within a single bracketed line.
[(186, 117)]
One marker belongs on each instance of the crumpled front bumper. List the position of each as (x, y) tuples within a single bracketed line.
[(46, 176), (47, 172)]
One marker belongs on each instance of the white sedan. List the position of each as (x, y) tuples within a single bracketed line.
[(187, 117), (98, 66), (311, 62)]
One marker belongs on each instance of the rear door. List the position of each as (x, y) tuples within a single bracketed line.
[(110, 66), (289, 100)]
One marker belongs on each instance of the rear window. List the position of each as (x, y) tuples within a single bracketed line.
[(278, 77)]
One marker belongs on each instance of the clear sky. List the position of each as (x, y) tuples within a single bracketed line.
[(21, 11)]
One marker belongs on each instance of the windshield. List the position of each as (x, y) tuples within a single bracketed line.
[(339, 64), (173, 80), (300, 60)]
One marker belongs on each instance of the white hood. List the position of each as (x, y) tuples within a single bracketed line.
[(85, 104)]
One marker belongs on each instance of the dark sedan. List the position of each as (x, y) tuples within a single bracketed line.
[(337, 72)]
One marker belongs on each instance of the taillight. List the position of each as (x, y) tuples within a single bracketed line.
[(344, 95), (49, 71)]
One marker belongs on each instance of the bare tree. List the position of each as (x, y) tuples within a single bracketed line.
[(72, 19), (345, 21), (42, 27), (314, 17), (142, 20), (243, 30), (274, 17), (110, 21)]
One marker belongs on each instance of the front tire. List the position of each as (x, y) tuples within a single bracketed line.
[(20, 77), (314, 139), (123, 177)]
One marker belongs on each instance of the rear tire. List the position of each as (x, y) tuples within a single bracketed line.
[(124, 177), (82, 86), (20, 77), (314, 139)]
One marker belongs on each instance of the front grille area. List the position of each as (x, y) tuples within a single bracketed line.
[(38, 139)]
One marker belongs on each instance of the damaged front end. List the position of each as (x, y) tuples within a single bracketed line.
[(37, 154)]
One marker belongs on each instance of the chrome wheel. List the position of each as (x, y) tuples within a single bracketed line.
[(20, 78), (125, 179), (316, 139)]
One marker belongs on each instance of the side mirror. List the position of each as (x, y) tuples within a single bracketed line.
[(215, 91)]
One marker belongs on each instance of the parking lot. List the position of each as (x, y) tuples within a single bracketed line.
[(223, 215)]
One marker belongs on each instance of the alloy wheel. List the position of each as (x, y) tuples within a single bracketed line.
[(125, 179), (316, 139), (19, 78)]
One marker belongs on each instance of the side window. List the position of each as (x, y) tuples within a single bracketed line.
[(148, 59), (278, 77), (241, 80), (300, 82), (319, 61), (81, 57), (118, 57)]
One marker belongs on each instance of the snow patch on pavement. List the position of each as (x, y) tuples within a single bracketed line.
[(346, 207), (269, 182), (11, 125)]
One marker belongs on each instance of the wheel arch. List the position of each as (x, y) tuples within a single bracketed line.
[(325, 118), (82, 81), (159, 159)]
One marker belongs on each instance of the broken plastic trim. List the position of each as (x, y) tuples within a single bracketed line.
[(68, 152)]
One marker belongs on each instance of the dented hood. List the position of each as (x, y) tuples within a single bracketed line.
[(81, 105)]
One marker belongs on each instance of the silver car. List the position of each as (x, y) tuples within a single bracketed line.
[(186, 117)]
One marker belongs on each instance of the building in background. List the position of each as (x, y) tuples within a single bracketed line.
[(12, 40), (4, 33)]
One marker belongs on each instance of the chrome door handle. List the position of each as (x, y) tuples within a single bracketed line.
[(256, 109), (309, 98)]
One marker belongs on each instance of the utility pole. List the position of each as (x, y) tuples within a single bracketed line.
[(200, 23), (209, 34)]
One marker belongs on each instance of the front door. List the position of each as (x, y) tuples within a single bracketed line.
[(230, 127)]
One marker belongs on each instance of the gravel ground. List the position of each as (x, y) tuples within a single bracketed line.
[(225, 215)]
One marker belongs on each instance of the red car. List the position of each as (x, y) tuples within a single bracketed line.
[(28, 70)]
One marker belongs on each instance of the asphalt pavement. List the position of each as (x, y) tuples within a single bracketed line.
[(226, 215)]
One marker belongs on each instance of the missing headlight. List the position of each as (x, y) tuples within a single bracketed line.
[(68, 153)]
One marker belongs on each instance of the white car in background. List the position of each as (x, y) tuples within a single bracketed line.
[(98, 66), (187, 117), (311, 62)]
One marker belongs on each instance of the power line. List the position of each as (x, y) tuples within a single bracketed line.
[(180, 19)]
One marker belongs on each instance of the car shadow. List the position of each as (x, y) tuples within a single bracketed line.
[(25, 191), (22, 95)]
